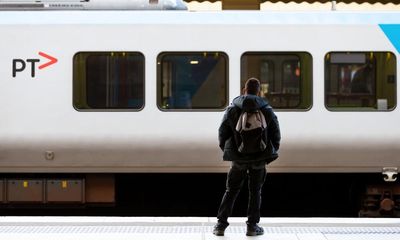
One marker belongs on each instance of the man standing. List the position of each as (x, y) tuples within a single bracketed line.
[(249, 135)]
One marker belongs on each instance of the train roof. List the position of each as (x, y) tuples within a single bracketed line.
[(187, 17)]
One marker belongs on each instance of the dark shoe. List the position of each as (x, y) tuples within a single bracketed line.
[(254, 230), (219, 229)]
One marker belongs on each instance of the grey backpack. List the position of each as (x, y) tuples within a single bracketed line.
[(250, 131)]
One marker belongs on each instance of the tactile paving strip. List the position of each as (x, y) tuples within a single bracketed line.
[(98, 229)]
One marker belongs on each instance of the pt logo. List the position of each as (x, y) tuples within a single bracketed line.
[(19, 65)]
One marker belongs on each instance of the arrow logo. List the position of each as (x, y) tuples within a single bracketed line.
[(51, 62)]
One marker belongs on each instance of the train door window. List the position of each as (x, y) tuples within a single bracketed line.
[(192, 81), (285, 77), (360, 81), (108, 81)]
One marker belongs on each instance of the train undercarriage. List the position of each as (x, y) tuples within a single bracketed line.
[(196, 194)]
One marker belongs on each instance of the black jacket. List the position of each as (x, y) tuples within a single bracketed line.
[(227, 129)]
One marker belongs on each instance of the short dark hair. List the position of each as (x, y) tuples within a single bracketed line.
[(252, 86)]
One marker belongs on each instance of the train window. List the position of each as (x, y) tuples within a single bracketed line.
[(286, 77), (192, 81), (108, 81), (360, 81)]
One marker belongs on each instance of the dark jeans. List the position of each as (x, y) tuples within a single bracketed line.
[(256, 174)]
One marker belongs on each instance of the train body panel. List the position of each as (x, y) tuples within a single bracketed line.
[(39, 118)]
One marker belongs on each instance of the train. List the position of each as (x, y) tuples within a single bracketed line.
[(95, 92)]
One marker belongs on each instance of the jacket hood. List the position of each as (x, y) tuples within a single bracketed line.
[(249, 103)]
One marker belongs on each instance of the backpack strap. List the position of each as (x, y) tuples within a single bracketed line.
[(241, 121), (262, 118)]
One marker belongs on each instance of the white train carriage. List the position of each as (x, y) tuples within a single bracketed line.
[(44, 110), (144, 91)]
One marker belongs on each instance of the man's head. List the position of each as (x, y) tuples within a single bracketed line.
[(252, 86)]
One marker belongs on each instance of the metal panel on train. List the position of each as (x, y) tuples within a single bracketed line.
[(58, 191), (2, 190), (25, 190)]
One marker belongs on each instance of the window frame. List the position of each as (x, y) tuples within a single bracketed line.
[(360, 109), (287, 53), (159, 74), (108, 109)]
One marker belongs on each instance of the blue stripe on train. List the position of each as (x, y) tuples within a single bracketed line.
[(392, 31)]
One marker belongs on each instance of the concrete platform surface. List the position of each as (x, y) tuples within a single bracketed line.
[(193, 228)]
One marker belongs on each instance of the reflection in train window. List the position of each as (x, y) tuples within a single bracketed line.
[(109, 80), (360, 81), (286, 77), (196, 80)]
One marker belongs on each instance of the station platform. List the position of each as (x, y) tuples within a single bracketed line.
[(155, 228)]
